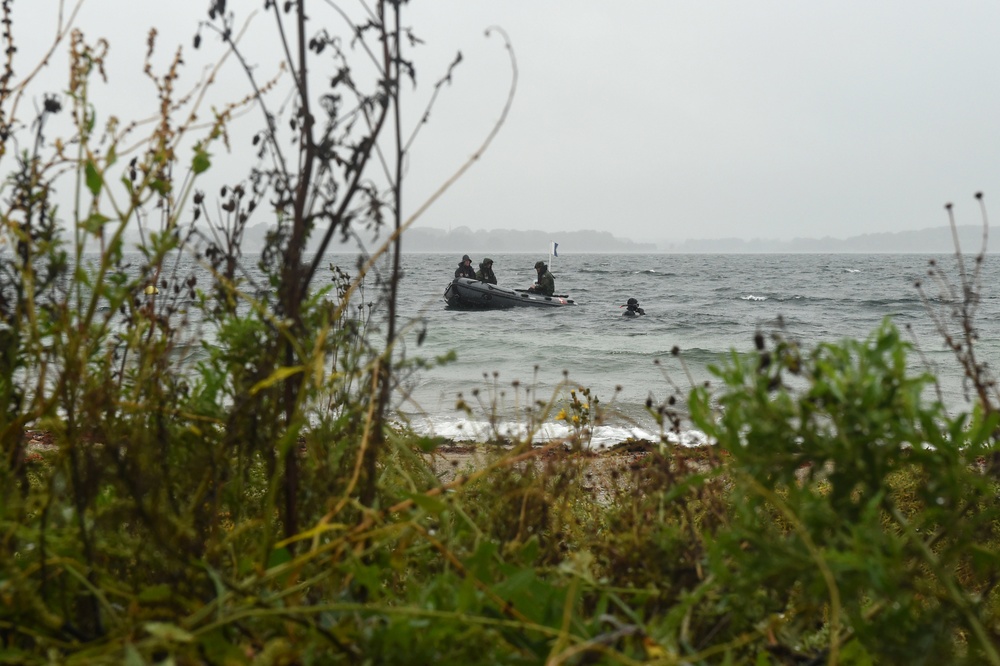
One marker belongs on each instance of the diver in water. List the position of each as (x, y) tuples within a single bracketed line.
[(632, 308)]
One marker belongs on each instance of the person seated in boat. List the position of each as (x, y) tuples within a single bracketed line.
[(465, 269), (632, 308), (485, 272), (546, 284)]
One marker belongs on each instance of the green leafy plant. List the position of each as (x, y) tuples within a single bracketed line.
[(859, 510)]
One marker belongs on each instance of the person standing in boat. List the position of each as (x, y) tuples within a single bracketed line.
[(485, 272), (546, 283), (465, 269)]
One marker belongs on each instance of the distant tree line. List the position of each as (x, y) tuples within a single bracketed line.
[(933, 240), (463, 239)]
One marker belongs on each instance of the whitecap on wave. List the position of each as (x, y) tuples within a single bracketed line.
[(751, 297), (603, 437)]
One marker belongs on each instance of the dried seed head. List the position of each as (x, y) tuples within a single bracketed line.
[(52, 104)]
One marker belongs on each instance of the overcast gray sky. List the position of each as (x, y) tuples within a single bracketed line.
[(670, 120)]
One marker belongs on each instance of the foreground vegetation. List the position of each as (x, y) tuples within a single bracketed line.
[(254, 505)]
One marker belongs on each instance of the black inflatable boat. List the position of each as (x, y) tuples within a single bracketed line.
[(472, 294)]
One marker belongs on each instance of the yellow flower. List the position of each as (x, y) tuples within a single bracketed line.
[(561, 415), (576, 419)]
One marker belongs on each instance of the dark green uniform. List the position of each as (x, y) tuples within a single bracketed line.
[(485, 272), (546, 284)]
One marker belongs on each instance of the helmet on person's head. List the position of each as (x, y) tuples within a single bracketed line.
[(487, 262), (632, 301), (539, 264), (466, 257)]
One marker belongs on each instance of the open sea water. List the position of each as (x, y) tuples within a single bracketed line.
[(704, 305)]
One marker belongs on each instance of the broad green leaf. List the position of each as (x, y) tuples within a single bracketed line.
[(219, 648), (201, 161), (370, 577), (276, 560), (854, 652), (530, 549), (93, 177), (93, 224), (480, 563), (161, 187), (534, 597), (278, 557), (132, 656)]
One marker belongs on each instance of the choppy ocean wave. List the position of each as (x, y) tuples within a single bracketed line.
[(704, 305), (604, 436)]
